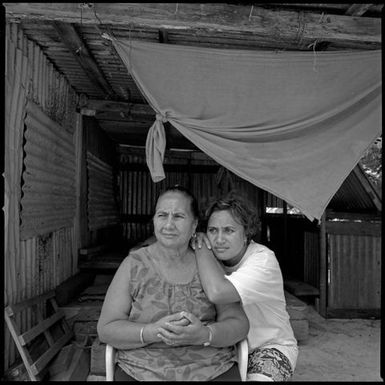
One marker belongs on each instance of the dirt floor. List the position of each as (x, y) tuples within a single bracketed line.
[(339, 350)]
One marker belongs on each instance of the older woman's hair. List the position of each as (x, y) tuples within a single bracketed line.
[(240, 209), (187, 193)]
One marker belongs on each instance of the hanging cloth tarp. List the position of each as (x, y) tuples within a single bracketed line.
[(292, 123)]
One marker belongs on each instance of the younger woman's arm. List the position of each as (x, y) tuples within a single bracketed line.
[(218, 289)]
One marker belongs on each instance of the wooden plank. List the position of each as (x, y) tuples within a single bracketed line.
[(43, 360), (299, 288), (80, 52), (27, 360), (100, 106), (354, 228), (15, 308), (323, 284), (358, 9), (29, 335), (215, 16), (365, 217), (354, 313), (93, 250), (180, 168)]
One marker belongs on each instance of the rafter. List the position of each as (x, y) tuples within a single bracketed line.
[(92, 107), (357, 9), (254, 20), (75, 45)]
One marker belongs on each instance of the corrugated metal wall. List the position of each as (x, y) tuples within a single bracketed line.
[(195, 171), (48, 201), (311, 264), (39, 263), (355, 266), (102, 204)]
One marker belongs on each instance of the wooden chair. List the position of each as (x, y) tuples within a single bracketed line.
[(40, 344), (242, 347)]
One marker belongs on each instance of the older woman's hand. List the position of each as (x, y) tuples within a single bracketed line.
[(176, 334), (198, 239)]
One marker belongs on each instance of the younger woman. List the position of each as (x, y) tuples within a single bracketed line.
[(233, 268)]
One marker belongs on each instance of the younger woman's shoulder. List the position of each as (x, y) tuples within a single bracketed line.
[(258, 248), (261, 255)]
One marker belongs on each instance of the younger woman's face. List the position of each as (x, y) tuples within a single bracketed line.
[(227, 237)]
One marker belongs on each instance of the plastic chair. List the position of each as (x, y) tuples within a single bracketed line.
[(243, 353)]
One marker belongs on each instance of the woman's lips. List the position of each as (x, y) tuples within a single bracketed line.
[(220, 249)]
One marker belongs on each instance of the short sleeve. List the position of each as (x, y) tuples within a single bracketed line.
[(259, 278)]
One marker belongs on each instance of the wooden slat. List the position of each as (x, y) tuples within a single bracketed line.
[(37, 368), (354, 228), (43, 360), (299, 288), (358, 9), (15, 308), (99, 106), (14, 330), (29, 335), (80, 52)]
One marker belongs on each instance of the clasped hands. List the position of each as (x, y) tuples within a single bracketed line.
[(181, 328)]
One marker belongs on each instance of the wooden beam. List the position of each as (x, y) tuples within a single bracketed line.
[(81, 53), (357, 9), (323, 275), (289, 26), (95, 106)]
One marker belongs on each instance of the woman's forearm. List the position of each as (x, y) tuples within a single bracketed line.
[(124, 334), (230, 331)]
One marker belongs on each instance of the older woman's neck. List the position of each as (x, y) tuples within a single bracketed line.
[(176, 255)]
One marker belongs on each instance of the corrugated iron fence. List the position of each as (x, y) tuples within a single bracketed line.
[(354, 254), (34, 262)]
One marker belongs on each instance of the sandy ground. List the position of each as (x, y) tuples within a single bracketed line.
[(339, 350)]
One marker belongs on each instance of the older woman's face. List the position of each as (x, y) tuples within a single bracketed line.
[(227, 237), (174, 223)]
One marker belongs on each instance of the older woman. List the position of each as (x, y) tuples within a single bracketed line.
[(239, 269), (156, 313)]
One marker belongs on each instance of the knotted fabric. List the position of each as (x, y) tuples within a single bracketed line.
[(289, 124), (155, 148)]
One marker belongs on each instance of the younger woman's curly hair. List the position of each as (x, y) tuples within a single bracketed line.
[(241, 210)]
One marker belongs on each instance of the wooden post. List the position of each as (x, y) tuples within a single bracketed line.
[(323, 269), (284, 251)]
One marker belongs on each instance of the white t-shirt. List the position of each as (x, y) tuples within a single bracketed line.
[(258, 280)]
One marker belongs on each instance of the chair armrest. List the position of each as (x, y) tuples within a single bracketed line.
[(110, 362), (243, 358)]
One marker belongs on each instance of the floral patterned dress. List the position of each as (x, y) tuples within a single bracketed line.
[(153, 298)]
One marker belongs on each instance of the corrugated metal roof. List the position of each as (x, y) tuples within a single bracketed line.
[(356, 194)]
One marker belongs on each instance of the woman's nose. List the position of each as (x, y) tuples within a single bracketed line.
[(170, 221), (220, 239)]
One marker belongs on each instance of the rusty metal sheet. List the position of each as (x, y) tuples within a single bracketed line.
[(102, 205), (48, 202)]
